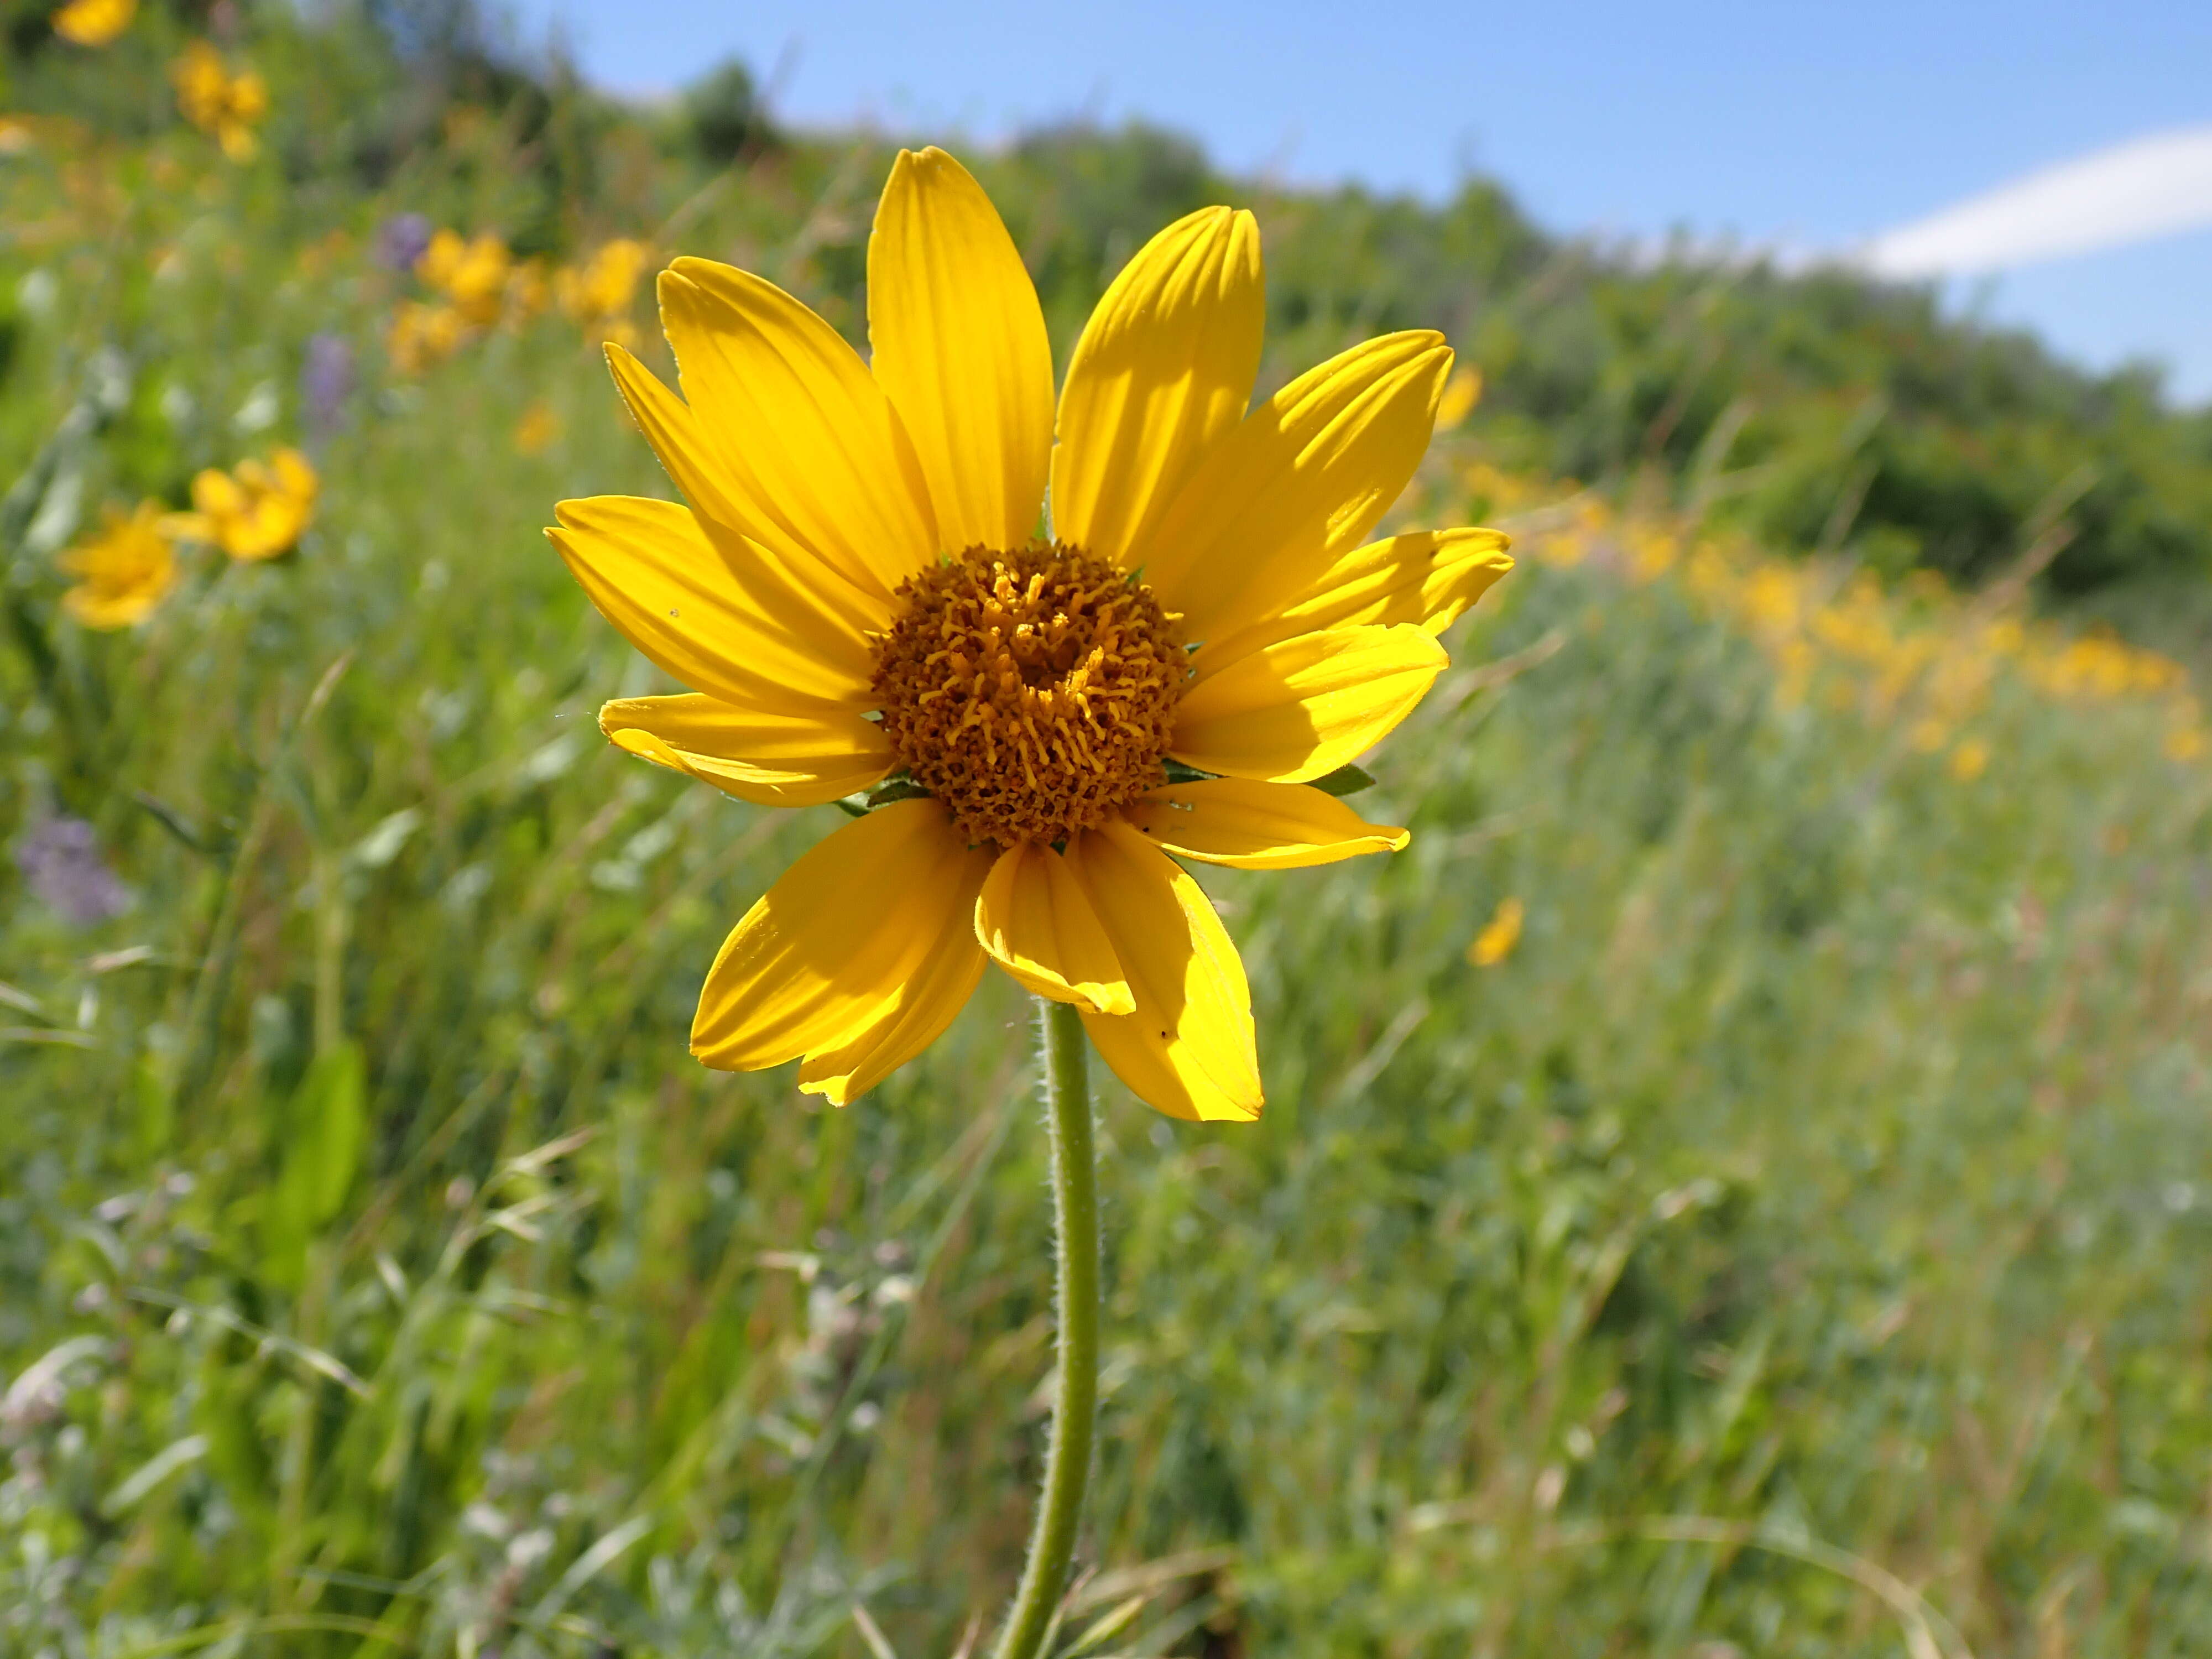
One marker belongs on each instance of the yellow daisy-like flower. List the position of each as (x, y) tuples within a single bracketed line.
[(472, 274), (93, 22), (124, 572), (422, 336), (599, 292), (256, 512), (228, 107), (1498, 936), (860, 599)]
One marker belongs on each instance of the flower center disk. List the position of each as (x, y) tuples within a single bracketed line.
[(1032, 691)]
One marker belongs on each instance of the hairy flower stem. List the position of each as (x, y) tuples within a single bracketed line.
[(1075, 1410)]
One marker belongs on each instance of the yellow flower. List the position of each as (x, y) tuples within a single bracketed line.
[(217, 102), (535, 432), (603, 289), (1461, 393), (255, 512), (124, 572), (472, 274), (441, 257), (93, 22), (1970, 760), (859, 597), (1498, 936), (422, 336)]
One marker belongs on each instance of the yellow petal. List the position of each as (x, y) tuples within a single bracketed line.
[(107, 612), (1189, 1049), (832, 948), (294, 475), (215, 494), (269, 523), (440, 259), (1035, 919), (960, 347), (672, 429), (1426, 576), (1257, 826), (806, 437), (93, 22), (1161, 375), (771, 757), (1301, 482), (927, 1005), (719, 613), (1301, 709)]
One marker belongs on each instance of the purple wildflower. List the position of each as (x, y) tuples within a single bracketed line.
[(326, 382), (60, 860), (401, 240)]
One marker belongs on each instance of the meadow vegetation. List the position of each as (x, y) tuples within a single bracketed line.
[(1737, 1183)]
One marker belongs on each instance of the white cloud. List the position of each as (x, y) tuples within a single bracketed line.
[(2132, 192)]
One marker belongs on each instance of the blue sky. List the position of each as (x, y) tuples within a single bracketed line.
[(1811, 127)]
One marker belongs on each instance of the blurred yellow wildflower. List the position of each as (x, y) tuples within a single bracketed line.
[(93, 22), (124, 572), (1652, 553), (858, 591), (1920, 654), (422, 336), (214, 100), (2101, 665), (1460, 394), (1498, 936), (535, 432), (1970, 759), (598, 295), (17, 136), (256, 512), (472, 274)]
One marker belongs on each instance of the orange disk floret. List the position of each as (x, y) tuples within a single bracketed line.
[(1031, 691)]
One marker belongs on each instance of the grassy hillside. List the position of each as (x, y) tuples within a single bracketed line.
[(1786, 1239), (1819, 411)]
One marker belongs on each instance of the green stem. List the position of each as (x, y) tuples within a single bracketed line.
[(1075, 1412)]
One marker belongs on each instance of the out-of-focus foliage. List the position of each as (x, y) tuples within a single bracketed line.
[(1789, 1241), (723, 115)]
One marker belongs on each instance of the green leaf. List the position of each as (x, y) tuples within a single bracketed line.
[(893, 789), (1178, 772), (177, 824), (1344, 781), (325, 1124), (157, 1110), (897, 787)]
